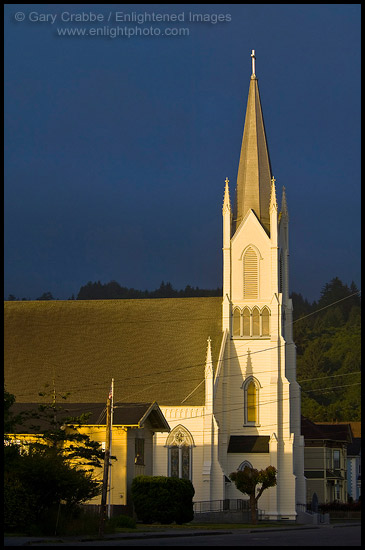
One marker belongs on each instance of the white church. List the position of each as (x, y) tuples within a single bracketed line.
[(217, 375)]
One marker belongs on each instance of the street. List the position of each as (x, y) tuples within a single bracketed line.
[(329, 535)]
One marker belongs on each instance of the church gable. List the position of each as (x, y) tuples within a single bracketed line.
[(251, 261)]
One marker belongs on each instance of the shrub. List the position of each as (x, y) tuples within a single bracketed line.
[(163, 499), (340, 506), (122, 521), (18, 509)]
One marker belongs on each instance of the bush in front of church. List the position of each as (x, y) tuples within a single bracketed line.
[(163, 499)]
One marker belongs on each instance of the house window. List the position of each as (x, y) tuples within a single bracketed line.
[(336, 460), (251, 400), (139, 451), (179, 447), (250, 274)]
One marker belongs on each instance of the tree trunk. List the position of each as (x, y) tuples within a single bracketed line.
[(253, 509)]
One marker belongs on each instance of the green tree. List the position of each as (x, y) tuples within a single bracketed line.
[(55, 465), (253, 483)]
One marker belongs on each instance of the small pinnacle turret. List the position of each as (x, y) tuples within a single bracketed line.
[(226, 200), (273, 201), (284, 206)]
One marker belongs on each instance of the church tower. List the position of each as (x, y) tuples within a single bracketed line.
[(257, 388)]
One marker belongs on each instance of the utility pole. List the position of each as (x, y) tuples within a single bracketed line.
[(106, 468), (111, 443)]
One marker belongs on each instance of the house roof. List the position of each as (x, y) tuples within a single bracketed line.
[(335, 432), (355, 427), (126, 414), (155, 349)]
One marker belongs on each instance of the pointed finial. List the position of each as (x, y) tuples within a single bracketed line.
[(253, 62), (273, 202), (209, 360), (226, 200)]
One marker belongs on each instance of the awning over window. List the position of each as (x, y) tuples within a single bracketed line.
[(248, 444)]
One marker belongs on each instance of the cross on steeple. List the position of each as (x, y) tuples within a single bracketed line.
[(253, 62)]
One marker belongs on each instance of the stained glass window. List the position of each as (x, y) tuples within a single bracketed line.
[(174, 461), (251, 402), (179, 444), (185, 459)]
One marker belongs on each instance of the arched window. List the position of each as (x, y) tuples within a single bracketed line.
[(236, 322), (246, 322), (255, 322), (251, 401), (250, 274), (243, 465), (265, 322), (179, 446)]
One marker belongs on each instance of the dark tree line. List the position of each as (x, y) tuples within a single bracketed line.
[(113, 290), (327, 335)]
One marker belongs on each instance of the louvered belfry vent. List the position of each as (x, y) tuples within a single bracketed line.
[(250, 274)]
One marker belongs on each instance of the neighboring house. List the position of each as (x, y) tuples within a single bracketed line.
[(134, 425), (325, 460), (223, 370), (354, 461)]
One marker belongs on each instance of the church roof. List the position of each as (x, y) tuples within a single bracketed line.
[(155, 349), (254, 170)]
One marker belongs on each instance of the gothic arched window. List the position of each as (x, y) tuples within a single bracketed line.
[(250, 274), (243, 465), (265, 322), (236, 322), (255, 322), (179, 446), (251, 401), (246, 322)]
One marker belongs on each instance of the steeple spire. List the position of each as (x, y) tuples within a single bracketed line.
[(254, 171)]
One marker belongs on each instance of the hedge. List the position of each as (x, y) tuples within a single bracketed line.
[(163, 499)]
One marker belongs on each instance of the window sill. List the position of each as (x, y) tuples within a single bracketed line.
[(250, 337)]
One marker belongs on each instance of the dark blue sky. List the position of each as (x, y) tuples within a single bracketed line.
[(116, 149)]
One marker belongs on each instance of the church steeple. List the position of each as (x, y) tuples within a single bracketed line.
[(254, 171)]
